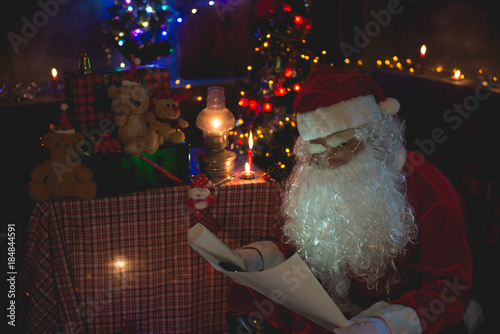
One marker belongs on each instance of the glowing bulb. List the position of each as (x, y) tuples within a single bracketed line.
[(423, 50), (216, 123), (54, 73)]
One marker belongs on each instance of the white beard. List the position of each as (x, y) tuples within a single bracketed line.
[(352, 221)]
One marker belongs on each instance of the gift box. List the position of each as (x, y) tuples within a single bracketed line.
[(87, 94), (118, 173)]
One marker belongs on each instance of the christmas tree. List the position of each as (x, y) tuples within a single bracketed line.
[(140, 28), (281, 61)]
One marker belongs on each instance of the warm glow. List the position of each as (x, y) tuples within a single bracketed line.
[(423, 50), (120, 263), (54, 73), (216, 123), (247, 167), (439, 69), (457, 74), (250, 141)]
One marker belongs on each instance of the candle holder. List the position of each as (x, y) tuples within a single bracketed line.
[(215, 121), (247, 174)]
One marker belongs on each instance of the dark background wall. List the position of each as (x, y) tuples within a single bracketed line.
[(213, 43)]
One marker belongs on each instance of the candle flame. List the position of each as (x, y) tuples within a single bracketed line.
[(457, 74), (54, 72), (423, 49), (247, 167), (250, 141)]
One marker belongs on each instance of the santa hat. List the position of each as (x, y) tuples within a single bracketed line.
[(200, 181), (334, 99), (131, 79), (64, 125)]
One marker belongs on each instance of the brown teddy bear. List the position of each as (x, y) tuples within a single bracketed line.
[(166, 107), (131, 103), (63, 174)]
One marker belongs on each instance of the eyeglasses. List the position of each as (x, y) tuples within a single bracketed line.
[(340, 155)]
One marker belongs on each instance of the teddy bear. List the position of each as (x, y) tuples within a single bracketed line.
[(63, 174), (131, 102), (167, 113)]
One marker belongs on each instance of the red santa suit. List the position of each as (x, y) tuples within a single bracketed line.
[(435, 273)]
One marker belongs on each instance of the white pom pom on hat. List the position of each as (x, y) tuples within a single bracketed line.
[(389, 106)]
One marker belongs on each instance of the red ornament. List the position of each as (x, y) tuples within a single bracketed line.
[(288, 73), (267, 106), (297, 87), (280, 91), (287, 8), (298, 19), (252, 104), (243, 102)]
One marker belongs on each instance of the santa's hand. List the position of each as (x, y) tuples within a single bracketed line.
[(365, 326), (251, 257)]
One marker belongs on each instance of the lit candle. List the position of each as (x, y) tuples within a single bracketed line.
[(457, 75), (250, 146), (54, 82), (423, 50), (247, 174)]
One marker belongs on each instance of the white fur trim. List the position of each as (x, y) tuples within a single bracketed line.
[(130, 83), (271, 254), (66, 132), (338, 117), (401, 319), (401, 158)]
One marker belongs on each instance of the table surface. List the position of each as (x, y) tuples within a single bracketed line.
[(92, 266)]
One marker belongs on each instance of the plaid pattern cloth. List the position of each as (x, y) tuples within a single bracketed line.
[(92, 266), (86, 95)]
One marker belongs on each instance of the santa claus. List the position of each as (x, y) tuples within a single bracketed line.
[(380, 227)]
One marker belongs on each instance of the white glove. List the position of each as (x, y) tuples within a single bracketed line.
[(252, 258), (365, 326)]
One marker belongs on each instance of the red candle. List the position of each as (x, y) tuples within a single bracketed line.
[(249, 152), (423, 49), (54, 82)]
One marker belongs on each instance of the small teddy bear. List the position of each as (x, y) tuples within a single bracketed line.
[(63, 174), (166, 107), (131, 102)]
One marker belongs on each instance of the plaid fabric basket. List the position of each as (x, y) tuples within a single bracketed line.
[(87, 97)]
